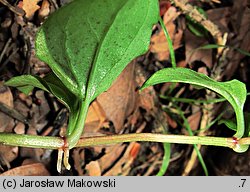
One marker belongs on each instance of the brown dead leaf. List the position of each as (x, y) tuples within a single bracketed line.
[(112, 155), (182, 63), (134, 150), (193, 42), (93, 168), (116, 103), (79, 156), (30, 7), (36, 169), (96, 118), (7, 154), (164, 6), (159, 44), (25, 99), (7, 99), (123, 166), (19, 128), (28, 161), (194, 120), (171, 121), (203, 70), (113, 105), (45, 10)]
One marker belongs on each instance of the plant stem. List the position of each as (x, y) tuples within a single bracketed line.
[(48, 142), (33, 141), (73, 117), (165, 160), (166, 146), (75, 135), (188, 128), (170, 44), (151, 137), (244, 141)]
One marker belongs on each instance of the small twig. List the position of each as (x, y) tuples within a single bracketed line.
[(191, 162), (198, 17), (12, 113), (210, 1), (219, 66), (15, 10), (5, 49)]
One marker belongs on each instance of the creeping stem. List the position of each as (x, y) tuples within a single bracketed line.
[(48, 142), (34, 141), (151, 137)]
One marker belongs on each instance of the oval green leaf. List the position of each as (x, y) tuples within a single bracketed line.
[(88, 43)]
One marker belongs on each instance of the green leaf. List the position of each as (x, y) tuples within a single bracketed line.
[(165, 160), (231, 124), (49, 83), (196, 28), (53, 85), (88, 43), (234, 91), (26, 83), (215, 46)]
